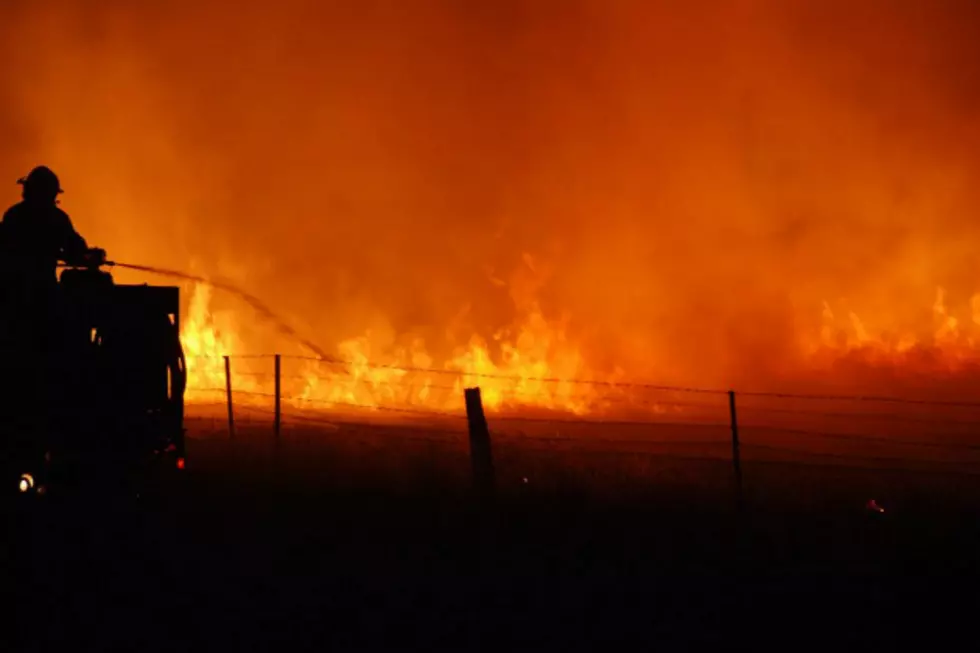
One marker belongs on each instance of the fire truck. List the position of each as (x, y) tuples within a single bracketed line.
[(108, 415)]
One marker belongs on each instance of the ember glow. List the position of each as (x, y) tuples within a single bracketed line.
[(754, 194)]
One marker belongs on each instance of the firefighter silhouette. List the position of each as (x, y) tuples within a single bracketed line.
[(35, 234)]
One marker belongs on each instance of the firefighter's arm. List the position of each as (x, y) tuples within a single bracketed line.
[(73, 246)]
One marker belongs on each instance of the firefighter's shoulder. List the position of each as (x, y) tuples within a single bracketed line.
[(14, 212), (17, 218)]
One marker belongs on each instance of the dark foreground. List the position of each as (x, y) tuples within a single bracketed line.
[(259, 550)]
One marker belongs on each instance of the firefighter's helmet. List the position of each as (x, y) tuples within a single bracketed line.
[(41, 182)]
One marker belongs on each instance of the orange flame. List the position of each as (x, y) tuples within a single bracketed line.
[(951, 335), (207, 339), (534, 364)]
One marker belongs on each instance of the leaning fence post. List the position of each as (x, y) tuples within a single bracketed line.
[(736, 454), (278, 419), (231, 410), (481, 455)]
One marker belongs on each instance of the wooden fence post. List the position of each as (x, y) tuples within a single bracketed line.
[(278, 418), (736, 454), (231, 410), (481, 455)]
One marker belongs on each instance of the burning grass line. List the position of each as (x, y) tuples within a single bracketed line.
[(234, 357), (508, 377), (254, 393), (271, 395), (521, 394), (414, 411), (609, 384), (608, 423), (371, 382), (305, 419), (310, 419)]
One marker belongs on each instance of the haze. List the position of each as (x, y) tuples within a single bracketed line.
[(687, 186)]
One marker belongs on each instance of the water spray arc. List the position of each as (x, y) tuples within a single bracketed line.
[(250, 299)]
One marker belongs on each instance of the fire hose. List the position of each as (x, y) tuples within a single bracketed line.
[(250, 299)]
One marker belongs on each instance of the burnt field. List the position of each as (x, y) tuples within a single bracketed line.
[(353, 534)]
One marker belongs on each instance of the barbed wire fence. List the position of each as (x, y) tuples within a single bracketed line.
[(507, 418)]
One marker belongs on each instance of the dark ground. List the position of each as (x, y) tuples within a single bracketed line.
[(372, 542)]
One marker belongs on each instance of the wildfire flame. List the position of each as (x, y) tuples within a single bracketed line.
[(534, 364), (950, 335), (531, 365), (205, 345)]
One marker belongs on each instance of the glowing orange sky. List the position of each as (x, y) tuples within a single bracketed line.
[(699, 180)]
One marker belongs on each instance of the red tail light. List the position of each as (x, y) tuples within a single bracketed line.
[(180, 463)]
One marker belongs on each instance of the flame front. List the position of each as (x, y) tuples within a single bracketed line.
[(533, 364), (946, 337)]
